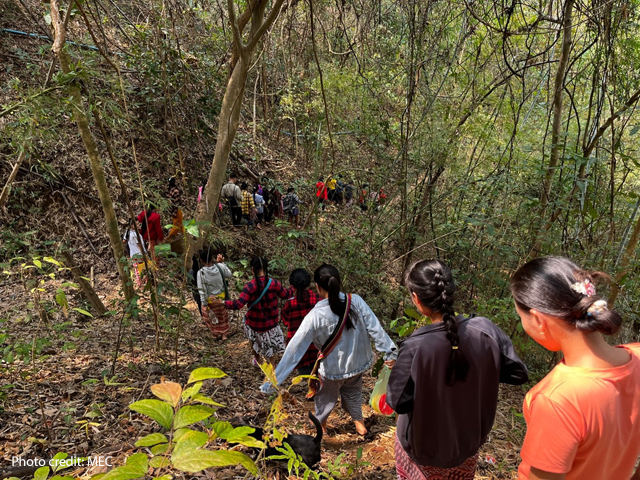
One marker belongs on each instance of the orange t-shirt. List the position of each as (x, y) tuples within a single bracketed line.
[(584, 422)]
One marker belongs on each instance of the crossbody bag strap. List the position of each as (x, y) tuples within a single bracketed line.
[(316, 383), (261, 295), (331, 342)]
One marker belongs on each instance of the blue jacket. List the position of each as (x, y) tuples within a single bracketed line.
[(351, 356)]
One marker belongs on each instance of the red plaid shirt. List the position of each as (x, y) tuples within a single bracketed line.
[(264, 315), (292, 315)]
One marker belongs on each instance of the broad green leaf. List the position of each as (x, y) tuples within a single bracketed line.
[(55, 462), (158, 462), (139, 461), (136, 467), (191, 391), (151, 440), (52, 260), (241, 435), (191, 414), (61, 477), (198, 397), (205, 373), (193, 230), (203, 459), (83, 312), (189, 442), (61, 299), (161, 412), (43, 472), (161, 449), (222, 428), (168, 391), (38, 264), (411, 313)]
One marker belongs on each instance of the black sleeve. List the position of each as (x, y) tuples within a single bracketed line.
[(513, 371), (400, 390)]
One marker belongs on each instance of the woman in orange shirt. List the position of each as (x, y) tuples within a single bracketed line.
[(583, 418)]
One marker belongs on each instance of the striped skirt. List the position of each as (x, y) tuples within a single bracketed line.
[(407, 469), (216, 318)]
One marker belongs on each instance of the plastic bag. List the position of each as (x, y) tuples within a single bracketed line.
[(378, 399)]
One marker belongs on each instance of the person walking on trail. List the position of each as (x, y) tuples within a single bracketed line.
[(294, 311), (271, 204), (151, 228), (290, 204), (349, 189), (339, 194), (248, 206), (445, 383), (583, 418), (233, 197), (130, 239), (261, 320), (350, 325), (321, 193), (212, 287), (258, 199), (331, 188)]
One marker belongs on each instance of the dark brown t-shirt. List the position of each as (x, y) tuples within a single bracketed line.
[(441, 425)]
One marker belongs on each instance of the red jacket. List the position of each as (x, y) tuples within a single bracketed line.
[(154, 230), (293, 314), (321, 191)]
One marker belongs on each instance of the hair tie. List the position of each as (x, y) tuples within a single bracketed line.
[(586, 288), (454, 347), (597, 307)]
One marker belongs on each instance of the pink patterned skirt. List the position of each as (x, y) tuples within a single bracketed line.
[(407, 469)]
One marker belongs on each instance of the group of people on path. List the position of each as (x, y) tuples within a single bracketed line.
[(333, 191), (583, 418), (141, 244), (253, 206)]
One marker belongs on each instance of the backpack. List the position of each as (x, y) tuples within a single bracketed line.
[(288, 202)]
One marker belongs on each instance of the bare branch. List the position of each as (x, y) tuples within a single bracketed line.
[(266, 24), (237, 36)]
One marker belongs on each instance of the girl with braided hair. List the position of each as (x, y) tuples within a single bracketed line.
[(583, 418), (444, 385), (261, 320)]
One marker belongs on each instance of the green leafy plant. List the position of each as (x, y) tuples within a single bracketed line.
[(412, 319), (183, 448)]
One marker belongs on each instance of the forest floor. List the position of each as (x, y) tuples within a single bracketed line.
[(74, 386)]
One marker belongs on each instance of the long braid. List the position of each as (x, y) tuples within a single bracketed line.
[(432, 282)]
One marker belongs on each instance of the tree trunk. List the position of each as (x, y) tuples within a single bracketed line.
[(98, 175), (7, 187), (232, 101), (91, 148), (557, 125), (227, 128), (85, 286)]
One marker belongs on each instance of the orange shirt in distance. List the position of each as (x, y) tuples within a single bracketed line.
[(584, 422)]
